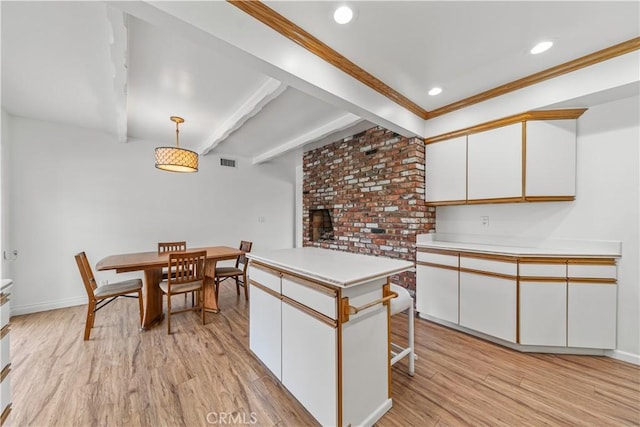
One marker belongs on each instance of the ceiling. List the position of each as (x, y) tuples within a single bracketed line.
[(246, 91)]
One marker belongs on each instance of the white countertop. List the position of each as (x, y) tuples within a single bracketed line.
[(514, 246), (332, 267)]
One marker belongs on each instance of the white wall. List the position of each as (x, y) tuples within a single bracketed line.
[(606, 206), (5, 266), (73, 189)]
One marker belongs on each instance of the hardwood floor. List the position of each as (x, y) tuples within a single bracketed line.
[(204, 375)]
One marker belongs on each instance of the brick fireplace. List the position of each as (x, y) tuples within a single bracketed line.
[(370, 187)]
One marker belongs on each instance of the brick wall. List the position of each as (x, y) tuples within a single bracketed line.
[(373, 186)]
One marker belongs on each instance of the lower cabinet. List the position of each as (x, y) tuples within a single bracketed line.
[(437, 292), (265, 318), (314, 387), (335, 364), (591, 315), (488, 304), (5, 361), (535, 301), (543, 313)]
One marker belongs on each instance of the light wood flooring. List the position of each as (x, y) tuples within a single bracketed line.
[(205, 375)]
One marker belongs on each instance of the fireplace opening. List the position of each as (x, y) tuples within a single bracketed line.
[(321, 227)]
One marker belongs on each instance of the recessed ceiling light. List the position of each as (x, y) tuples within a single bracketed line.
[(541, 47), (343, 15), (435, 91)]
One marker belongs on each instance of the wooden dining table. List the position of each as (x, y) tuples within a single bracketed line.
[(152, 264)]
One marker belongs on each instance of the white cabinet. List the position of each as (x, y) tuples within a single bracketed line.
[(334, 362), (494, 163), (529, 157), (5, 366), (446, 170), (543, 313), (437, 286), (488, 304), (550, 158), (592, 303), (591, 315), (309, 365), (265, 322), (543, 303)]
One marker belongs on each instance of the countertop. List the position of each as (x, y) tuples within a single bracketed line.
[(525, 247), (336, 268)]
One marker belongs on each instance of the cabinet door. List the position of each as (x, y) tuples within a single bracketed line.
[(592, 315), (265, 329), (488, 304), (446, 170), (494, 163), (309, 363), (437, 292), (543, 313), (551, 158)]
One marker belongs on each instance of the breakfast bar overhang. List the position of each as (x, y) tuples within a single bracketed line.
[(319, 321)]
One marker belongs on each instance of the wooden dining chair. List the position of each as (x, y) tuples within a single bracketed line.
[(224, 273), (99, 296), (164, 247), (187, 276)]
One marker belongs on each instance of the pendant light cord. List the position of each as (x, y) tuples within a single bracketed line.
[(177, 132)]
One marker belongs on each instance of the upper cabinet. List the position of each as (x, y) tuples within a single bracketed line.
[(494, 164), (550, 158), (446, 173), (524, 158)]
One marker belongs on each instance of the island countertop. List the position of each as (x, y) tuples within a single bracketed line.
[(333, 267)]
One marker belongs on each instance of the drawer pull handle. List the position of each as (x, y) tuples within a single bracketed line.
[(356, 310)]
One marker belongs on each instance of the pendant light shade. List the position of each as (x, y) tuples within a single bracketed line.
[(176, 159)]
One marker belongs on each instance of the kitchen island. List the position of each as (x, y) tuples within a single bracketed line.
[(319, 321)]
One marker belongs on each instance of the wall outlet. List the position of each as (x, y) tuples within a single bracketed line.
[(484, 220), (261, 219)]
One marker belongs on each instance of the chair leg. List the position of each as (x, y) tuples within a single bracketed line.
[(246, 287), (168, 314), (90, 316), (201, 303), (237, 286), (412, 357), (141, 304)]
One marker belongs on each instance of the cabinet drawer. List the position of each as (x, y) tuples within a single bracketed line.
[(434, 258), (4, 348), (592, 271), (543, 270), (506, 267), (265, 278), (5, 308), (324, 302)]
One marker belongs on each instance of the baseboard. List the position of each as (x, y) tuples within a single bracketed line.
[(624, 356), (46, 306)]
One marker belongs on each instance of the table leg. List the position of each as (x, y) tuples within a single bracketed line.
[(210, 300), (152, 298)]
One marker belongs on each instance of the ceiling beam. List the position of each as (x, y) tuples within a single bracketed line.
[(119, 59), (336, 125), (269, 91)]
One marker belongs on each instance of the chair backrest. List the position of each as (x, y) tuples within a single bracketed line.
[(171, 247), (186, 267), (242, 259), (87, 274)]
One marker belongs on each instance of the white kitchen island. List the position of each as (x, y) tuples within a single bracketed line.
[(319, 320)]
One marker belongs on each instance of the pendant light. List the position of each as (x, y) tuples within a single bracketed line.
[(176, 159)]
